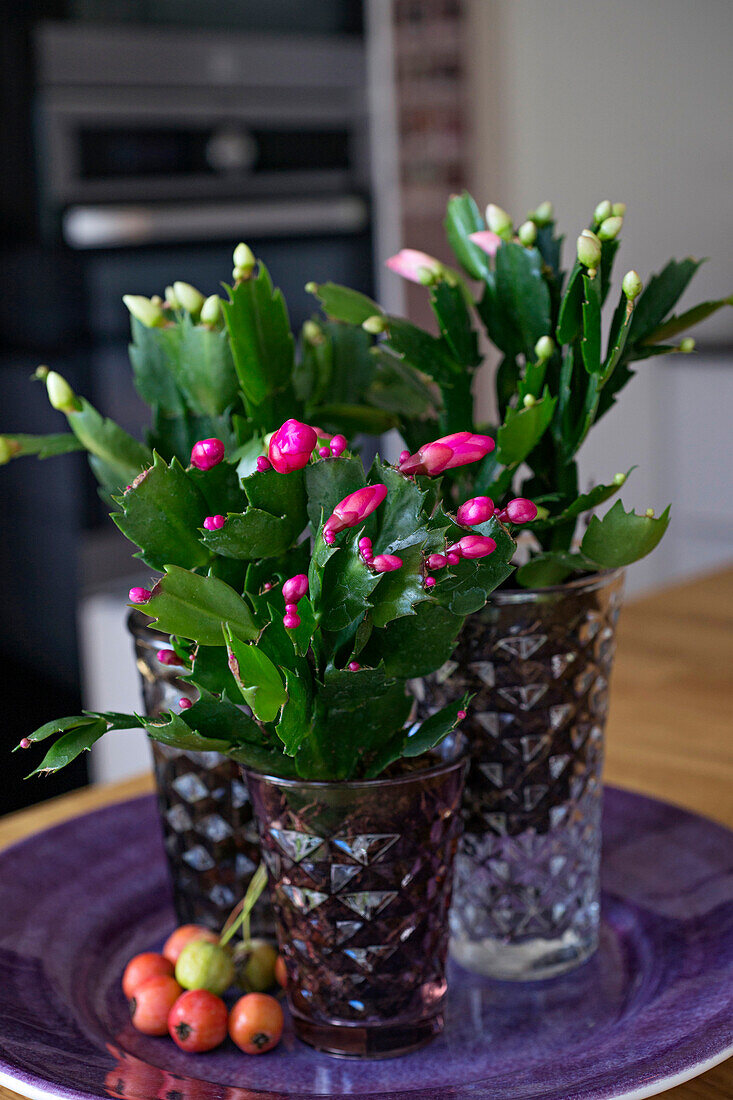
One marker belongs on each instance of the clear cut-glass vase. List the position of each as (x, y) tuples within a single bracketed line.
[(209, 833), (360, 879), (527, 890)]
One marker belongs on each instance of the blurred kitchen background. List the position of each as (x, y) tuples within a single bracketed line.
[(142, 139)]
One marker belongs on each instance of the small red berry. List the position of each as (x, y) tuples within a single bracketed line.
[(256, 1023), (198, 1021), (144, 966), (152, 1003), (183, 935)]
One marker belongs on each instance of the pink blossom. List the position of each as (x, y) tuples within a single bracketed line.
[(354, 666), (291, 446), (295, 588), (139, 595), (339, 444), (168, 657), (410, 263), (476, 546), (487, 241), (206, 454), (353, 509), (185, 704), (446, 453), (386, 563), (263, 464), (430, 582), (437, 561), (521, 510), (291, 621), (476, 510)]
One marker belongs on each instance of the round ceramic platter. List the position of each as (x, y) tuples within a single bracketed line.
[(653, 1008)]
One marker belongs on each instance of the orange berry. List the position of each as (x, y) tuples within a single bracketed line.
[(256, 1023), (183, 935)]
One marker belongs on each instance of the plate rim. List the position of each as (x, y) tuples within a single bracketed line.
[(34, 1087)]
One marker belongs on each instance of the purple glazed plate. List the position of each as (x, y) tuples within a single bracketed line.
[(653, 1008)]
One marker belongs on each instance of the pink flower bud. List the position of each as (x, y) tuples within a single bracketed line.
[(291, 446), (404, 455), (365, 544), (354, 508), (139, 595), (295, 588), (263, 464), (328, 537), (207, 453), (338, 445), (454, 556), (324, 452), (521, 510), (214, 523), (291, 622), (25, 743), (430, 582), (476, 510), (184, 703), (487, 241), (168, 657), (437, 561), (414, 265), (291, 609), (267, 586), (476, 546), (461, 715), (447, 453), (354, 666), (386, 563)]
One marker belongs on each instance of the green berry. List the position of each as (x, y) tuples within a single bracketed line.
[(204, 965), (255, 965)]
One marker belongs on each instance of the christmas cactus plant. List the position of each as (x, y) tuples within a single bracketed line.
[(228, 368), (300, 598), (556, 378)]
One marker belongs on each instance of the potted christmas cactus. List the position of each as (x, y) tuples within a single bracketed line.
[(228, 369), (538, 657), (296, 620)]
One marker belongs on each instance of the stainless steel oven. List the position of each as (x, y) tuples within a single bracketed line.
[(152, 134)]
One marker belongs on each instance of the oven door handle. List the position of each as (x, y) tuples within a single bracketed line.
[(119, 226)]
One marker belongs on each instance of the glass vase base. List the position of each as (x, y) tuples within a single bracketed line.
[(379, 1041), (528, 961)]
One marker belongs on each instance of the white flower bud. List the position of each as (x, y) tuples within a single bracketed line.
[(589, 249), (610, 228), (544, 214), (313, 333), (498, 221), (529, 400), (211, 310), (687, 345), (170, 298), (527, 233), (190, 298), (374, 325), (619, 479), (544, 347), (60, 393), (602, 211), (147, 312), (632, 285), (618, 209), (244, 261), (649, 513)]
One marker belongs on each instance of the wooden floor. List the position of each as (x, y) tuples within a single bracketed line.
[(670, 730)]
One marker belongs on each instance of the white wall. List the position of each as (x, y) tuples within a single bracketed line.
[(631, 101)]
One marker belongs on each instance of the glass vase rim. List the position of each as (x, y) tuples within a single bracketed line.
[(443, 768), (581, 584)]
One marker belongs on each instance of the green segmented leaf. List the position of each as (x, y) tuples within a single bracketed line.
[(659, 296), (586, 502), (206, 374), (590, 344), (162, 514), (621, 537), (257, 677), (262, 345), (417, 644), (292, 729), (170, 729), (463, 218), (522, 294), (250, 535), (348, 586), (424, 352), (155, 355), (523, 428), (122, 455), (220, 718), (553, 567), (70, 745), (327, 482), (344, 304), (454, 320), (434, 729), (619, 333), (59, 725), (570, 318), (43, 446), (196, 607), (354, 418), (693, 316), (399, 591)]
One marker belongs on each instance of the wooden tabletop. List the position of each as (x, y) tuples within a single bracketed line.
[(669, 731)]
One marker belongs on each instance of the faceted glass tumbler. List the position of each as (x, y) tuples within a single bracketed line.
[(360, 878), (527, 890), (210, 836)]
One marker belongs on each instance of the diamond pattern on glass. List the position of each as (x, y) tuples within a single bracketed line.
[(294, 845), (485, 672), (529, 862), (302, 898), (367, 848), (341, 875), (367, 903), (190, 787), (369, 957)]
